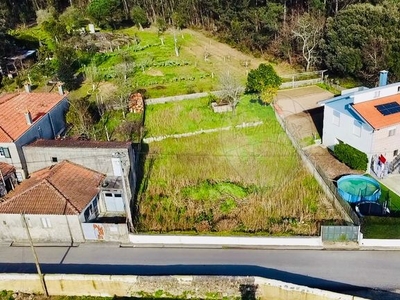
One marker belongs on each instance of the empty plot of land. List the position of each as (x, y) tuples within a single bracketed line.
[(299, 100)]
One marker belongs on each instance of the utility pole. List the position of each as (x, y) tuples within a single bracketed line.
[(41, 277)]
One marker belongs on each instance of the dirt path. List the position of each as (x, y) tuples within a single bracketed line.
[(225, 58)]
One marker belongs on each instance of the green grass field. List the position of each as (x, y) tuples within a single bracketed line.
[(237, 181), (381, 228), (192, 115)]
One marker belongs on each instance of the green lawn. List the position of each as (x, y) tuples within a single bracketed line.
[(241, 180), (394, 199), (192, 115), (381, 228)]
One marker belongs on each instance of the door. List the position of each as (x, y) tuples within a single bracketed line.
[(114, 202)]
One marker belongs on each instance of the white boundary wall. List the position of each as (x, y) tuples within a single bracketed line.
[(216, 241), (380, 243)]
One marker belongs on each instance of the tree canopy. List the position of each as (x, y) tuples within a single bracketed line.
[(363, 39), (261, 78), (354, 38)]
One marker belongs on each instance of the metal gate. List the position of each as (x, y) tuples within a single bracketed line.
[(340, 233)]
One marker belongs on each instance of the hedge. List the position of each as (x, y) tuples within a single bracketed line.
[(352, 157)]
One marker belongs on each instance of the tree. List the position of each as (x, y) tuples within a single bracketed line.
[(66, 66), (231, 89), (72, 18), (82, 114), (262, 77), (268, 94), (308, 30), (139, 17), (162, 27), (358, 43), (106, 12)]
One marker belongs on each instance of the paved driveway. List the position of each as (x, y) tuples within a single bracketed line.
[(299, 100), (392, 181), (299, 107)]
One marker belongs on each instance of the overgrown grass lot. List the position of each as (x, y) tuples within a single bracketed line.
[(247, 180), (192, 115)]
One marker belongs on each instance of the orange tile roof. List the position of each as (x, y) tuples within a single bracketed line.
[(5, 169), (369, 112), (65, 188), (13, 106)]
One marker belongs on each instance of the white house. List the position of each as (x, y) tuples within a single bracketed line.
[(25, 117), (64, 203), (368, 120)]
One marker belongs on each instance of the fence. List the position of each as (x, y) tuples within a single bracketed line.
[(340, 233), (327, 185), (294, 84)]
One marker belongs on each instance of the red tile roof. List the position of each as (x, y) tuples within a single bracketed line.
[(13, 106), (65, 188), (369, 112), (6, 169)]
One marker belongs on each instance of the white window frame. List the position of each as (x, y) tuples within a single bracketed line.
[(392, 131), (46, 222), (5, 152)]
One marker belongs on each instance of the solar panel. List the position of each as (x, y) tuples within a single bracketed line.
[(388, 108)]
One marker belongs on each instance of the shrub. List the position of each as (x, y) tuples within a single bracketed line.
[(262, 77), (352, 157)]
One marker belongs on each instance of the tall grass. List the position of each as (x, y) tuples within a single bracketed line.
[(269, 189), (192, 115)]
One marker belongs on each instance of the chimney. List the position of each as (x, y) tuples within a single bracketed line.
[(383, 77), (60, 88), (28, 117), (28, 87)]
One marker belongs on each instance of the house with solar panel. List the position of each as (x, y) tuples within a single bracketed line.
[(368, 120), (26, 117)]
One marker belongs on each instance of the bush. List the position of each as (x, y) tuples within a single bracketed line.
[(352, 157), (262, 77)]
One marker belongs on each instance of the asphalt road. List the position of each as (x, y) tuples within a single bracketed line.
[(351, 272)]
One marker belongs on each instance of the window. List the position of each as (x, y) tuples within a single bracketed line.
[(357, 128), (392, 132), (46, 222), (54, 159), (395, 152), (5, 152), (336, 118)]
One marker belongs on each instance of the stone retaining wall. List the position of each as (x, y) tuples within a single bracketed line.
[(203, 287)]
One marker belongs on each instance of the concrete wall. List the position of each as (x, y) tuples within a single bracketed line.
[(98, 159), (385, 144), (184, 240), (377, 92), (203, 287), (375, 244), (62, 229), (105, 232), (14, 159), (344, 131)]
